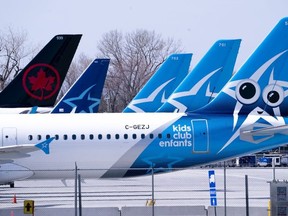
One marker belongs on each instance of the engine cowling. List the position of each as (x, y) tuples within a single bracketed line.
[(11, 172)]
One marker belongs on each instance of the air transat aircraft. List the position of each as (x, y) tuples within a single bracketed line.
[(84, 95), (160, 86), (248, 115), (39, 83), (208, 77)]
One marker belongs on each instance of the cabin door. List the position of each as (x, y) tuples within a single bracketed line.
[(200, 136), (9, 136)]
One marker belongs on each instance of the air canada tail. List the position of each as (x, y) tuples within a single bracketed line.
[(85, 94), (160, 86), (38, 84), (203, 83), (261, 84)]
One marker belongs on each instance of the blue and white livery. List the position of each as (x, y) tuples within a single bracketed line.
[(160, 86), (203, 83), (248, 115), (84, 95)]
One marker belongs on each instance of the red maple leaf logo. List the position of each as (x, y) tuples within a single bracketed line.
[(41, 82)]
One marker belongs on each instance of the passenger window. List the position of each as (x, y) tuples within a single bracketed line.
[(151, 136), (108, 136), (142, 136), (65, 137), (82, 136), (117, 136), (160, 136), (56, 137), (168, 136), (47, 136), (134, 136), (30, 137), (125, 136), (39, 137), (74, 136), (99, 136), (91, 136)]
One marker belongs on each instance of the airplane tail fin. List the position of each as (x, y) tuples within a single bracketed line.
[(85, 94), (38, 84), (261, 84), (208, 77), (160, 86)]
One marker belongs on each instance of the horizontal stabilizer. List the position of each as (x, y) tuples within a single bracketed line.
[(251, 134), (282, 129)]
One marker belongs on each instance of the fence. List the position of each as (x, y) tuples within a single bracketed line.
[(182, 188)]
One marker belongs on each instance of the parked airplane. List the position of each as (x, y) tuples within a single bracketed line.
[(160, 86), (85, 94), (39, 83), (240, 120), (221, 50), (203, 83)]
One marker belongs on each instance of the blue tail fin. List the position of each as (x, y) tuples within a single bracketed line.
[(161, 84), (85, 95), (204, 82), (39, 83), (261, 84)]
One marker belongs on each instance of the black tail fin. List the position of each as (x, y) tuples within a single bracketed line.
[(38, 84)]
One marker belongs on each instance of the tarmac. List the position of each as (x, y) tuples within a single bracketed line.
[(180, 188)]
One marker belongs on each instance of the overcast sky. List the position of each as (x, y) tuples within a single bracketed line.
[(196, 23)]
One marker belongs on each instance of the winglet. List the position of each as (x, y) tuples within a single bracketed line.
[(33, 110), (44, 146)]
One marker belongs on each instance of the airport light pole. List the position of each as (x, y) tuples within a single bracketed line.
[(273, 166), (225, 208), (80, 196), (153, 202), (75, 203), (247, 196)]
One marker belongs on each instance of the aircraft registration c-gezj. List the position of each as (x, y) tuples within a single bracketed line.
[(248, 115)]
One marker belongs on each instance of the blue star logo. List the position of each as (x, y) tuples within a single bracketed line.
[(134, 105), (84, 103)]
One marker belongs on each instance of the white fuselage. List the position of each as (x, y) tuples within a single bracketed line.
[(93, 141), (24, 110), (109, 144)]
